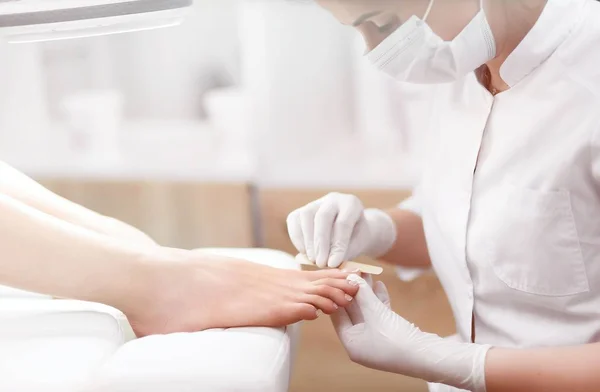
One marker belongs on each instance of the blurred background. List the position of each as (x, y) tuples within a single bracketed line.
[(210, 133)]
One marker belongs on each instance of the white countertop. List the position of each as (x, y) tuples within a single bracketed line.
[(148, 151), (193, 152)]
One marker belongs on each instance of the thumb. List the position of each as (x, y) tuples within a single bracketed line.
[(368, 278), (366, 299), (341, 322), (382, 293)]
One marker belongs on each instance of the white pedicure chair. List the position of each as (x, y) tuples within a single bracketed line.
[(49, 345)]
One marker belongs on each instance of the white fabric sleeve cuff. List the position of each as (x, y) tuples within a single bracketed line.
[(410, 274), (383, 231), (411, 204)]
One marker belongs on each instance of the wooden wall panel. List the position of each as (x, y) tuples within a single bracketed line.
[(185, 215), (322, 365)]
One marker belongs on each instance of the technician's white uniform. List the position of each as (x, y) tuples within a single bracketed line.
[(510, 195)]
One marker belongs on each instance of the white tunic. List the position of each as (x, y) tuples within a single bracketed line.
[(510, 193)]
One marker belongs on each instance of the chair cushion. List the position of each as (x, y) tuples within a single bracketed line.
[(54, 346), (59, 345), (242, 359), (220, 360)]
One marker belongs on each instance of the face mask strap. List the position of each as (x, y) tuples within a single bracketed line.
[(481, 9), (430, 6)]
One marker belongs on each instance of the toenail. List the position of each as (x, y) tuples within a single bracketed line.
[(354, 280), (353, 283)]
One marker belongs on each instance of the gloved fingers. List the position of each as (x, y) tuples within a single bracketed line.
[(357, 240), (350, 335), (368, 278), (295, 231), (341, 322), (323, 227), (382, 293), (370, 305), (354, 313), (350, 211), (307, 222)]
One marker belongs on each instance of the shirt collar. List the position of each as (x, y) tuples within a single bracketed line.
[(557, 21)]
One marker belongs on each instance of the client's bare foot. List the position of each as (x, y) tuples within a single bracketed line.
[(204, 291)]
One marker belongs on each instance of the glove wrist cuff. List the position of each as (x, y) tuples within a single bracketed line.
[(461, 365), (478, 383), (383, 232)]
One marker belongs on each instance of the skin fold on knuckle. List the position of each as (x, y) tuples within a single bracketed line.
[(323, 290), (325, 304), (335, 274), (338, 283), (329, 308), (334, 294), (340, 299), (306, 312)]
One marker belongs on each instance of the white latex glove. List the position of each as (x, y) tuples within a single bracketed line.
[(376, 337), (337, 228)]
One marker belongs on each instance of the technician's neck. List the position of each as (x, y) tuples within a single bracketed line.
[(512, 22)]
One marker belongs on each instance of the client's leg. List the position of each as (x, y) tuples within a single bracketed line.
[(219, 292)]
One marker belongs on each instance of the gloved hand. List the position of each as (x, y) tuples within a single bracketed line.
[(337, 228), (376, 337)]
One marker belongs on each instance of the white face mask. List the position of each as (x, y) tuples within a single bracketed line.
[(415, 54)]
